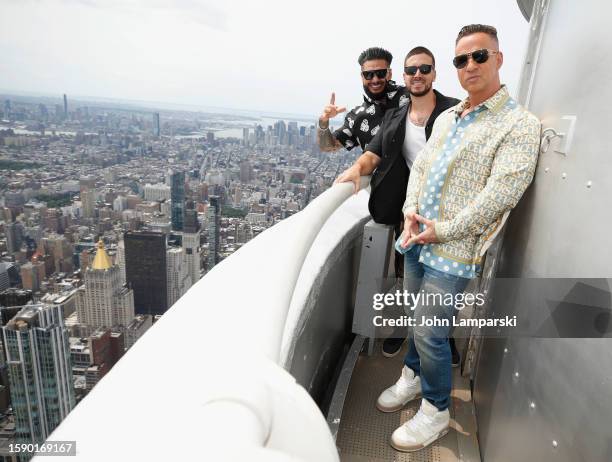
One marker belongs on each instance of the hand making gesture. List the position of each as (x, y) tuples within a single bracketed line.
[(330, 111)]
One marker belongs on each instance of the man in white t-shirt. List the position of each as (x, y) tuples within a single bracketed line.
[(404, 132)]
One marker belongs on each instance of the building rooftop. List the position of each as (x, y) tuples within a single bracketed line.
[(102, 261)]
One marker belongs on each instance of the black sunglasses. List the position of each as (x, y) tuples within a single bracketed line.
[(424, 68), (380, 73), (480, 56)]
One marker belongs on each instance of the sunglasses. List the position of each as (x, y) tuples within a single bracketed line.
[(380, 73), (424, 68), (479, 56)]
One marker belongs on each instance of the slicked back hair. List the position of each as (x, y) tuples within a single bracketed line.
[(475, 28), (374, 53), (420, 51)]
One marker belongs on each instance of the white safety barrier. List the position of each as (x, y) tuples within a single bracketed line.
[(204, 382)]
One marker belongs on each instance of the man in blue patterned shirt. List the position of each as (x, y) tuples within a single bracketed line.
[(473, 170)]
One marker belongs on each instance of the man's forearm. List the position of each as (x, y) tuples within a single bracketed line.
[(326, 140), (367, 163)]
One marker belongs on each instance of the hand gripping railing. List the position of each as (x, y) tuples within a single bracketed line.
[(203, 383)]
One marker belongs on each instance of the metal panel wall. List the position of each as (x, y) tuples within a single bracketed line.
[(550, 399)]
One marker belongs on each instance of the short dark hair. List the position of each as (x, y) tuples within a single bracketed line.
[(475, 28), (420, 51), (374, 53)]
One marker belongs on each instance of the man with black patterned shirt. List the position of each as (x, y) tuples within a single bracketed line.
[(363, 122)]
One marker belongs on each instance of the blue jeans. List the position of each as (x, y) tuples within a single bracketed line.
[(429, 354)]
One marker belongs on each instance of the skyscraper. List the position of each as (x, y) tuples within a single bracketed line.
[(33, 274), (7, 109), (15, 297), (156, 126), (4, 277), (245, 171), (60, 250), (14, 236), (177, 196), (145, 270), (213, 218), (191, 242), (103, 300), (120, 259), (40, 372), (87, 182), (65, 106), (177, 274), (88, 203)]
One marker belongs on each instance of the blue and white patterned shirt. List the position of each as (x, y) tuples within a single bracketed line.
[(472, 172)]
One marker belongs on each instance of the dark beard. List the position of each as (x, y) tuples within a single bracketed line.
[(378, 96), (421, 93)]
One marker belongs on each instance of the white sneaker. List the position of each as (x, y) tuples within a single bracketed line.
[(428, 425), (407, 388)]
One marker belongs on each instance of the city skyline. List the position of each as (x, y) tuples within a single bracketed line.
[(111, 214)]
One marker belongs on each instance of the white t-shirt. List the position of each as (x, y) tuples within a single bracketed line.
[(414, 141)]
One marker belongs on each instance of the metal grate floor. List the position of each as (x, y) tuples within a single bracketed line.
[(364, 431)]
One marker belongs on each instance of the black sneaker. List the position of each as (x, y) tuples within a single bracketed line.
[(392, 346), (456, 359)]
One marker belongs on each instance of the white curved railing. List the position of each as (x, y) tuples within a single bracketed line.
[(204, 382)]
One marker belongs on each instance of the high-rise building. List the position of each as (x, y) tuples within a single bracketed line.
[(93, 357), (191, 224), (191, 242), (87, 182), (65, 106), (43, 112), (55, 221), (120, 259), (104, 301), (156, 126), (60, 250), (245, 136), (280, 130), (33, 274), (145, 270), (137, 328), (14, 236), (40, 371), (245, 171), (15, 297), (5, 282), (177, 273), (177, 196), (213, 220), (120, 204), (192, 250), (88, 203), (156, 192), (7, 109)]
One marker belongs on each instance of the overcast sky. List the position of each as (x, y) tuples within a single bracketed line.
[(273, 55)]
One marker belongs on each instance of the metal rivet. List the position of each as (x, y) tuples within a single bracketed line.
[(564, 176), (555, 444), (589, 184), (505, 350), (516, 374), (546, 170), (532, 405)]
